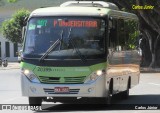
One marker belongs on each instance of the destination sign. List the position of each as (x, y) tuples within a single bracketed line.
[(42, 22), (76, 23)]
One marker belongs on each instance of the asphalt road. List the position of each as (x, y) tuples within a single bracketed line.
[(147, 92)]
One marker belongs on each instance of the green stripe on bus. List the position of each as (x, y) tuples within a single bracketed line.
[(63, 74)]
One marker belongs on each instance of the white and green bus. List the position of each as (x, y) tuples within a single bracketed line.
[(79, 50)]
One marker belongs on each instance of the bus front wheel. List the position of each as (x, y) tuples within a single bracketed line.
[(109, 95), (109, 98), (35, 101)]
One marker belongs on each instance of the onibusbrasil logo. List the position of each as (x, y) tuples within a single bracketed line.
[(20, 107)]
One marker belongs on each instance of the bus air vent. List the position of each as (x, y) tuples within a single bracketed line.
[(62, 80)]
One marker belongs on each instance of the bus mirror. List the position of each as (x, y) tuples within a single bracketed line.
[(25, 21), (140, 52), (17, 53), (23, 32), (110, 24), (19, 56)]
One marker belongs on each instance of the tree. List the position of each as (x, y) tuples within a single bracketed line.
[(1, 3), (12, 28), (12, 1), (149, 27)]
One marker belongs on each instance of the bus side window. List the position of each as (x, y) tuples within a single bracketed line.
[(113, 35), (131, 34), (121, 36), (127, 32)]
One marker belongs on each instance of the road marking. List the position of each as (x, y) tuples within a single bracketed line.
[(11, 99), (154, 84)]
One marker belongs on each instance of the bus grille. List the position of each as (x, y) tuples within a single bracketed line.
[(62, 80), (51, 91)]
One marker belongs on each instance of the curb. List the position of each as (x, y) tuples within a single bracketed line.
[(8, 68), (150, 70), (11, 65)]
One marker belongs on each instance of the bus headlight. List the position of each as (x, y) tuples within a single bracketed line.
[(96, 74), (30, 75), (99, 72)]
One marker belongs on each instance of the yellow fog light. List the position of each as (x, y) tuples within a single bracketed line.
[(33, 89), (90, 89)]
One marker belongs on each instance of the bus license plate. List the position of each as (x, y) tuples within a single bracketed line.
[(61, 89)]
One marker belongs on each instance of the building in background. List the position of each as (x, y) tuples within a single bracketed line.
[(8, 49)]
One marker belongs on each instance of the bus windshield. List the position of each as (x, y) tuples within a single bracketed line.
[(85, 34)]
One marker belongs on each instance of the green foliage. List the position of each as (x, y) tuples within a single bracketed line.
[(2, 3), (11, 1), (133, 33), (12, 28)]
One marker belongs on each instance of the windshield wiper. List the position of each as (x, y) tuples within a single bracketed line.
[(61, 40), (53, 46), (75, 47)]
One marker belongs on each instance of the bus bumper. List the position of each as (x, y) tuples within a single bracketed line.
[(96, 88)]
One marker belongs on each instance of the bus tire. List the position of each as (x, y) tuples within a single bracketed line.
[(125, 94), (109, 96), (35, 101)]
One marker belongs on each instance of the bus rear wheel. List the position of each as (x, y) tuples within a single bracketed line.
[(35, 101), (125, 94)]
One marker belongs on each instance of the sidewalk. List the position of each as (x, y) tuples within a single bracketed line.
[(11, 65), (150, 70)]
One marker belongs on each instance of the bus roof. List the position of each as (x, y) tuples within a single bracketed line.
[(69, 11), (90, 4), (80, 11)]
